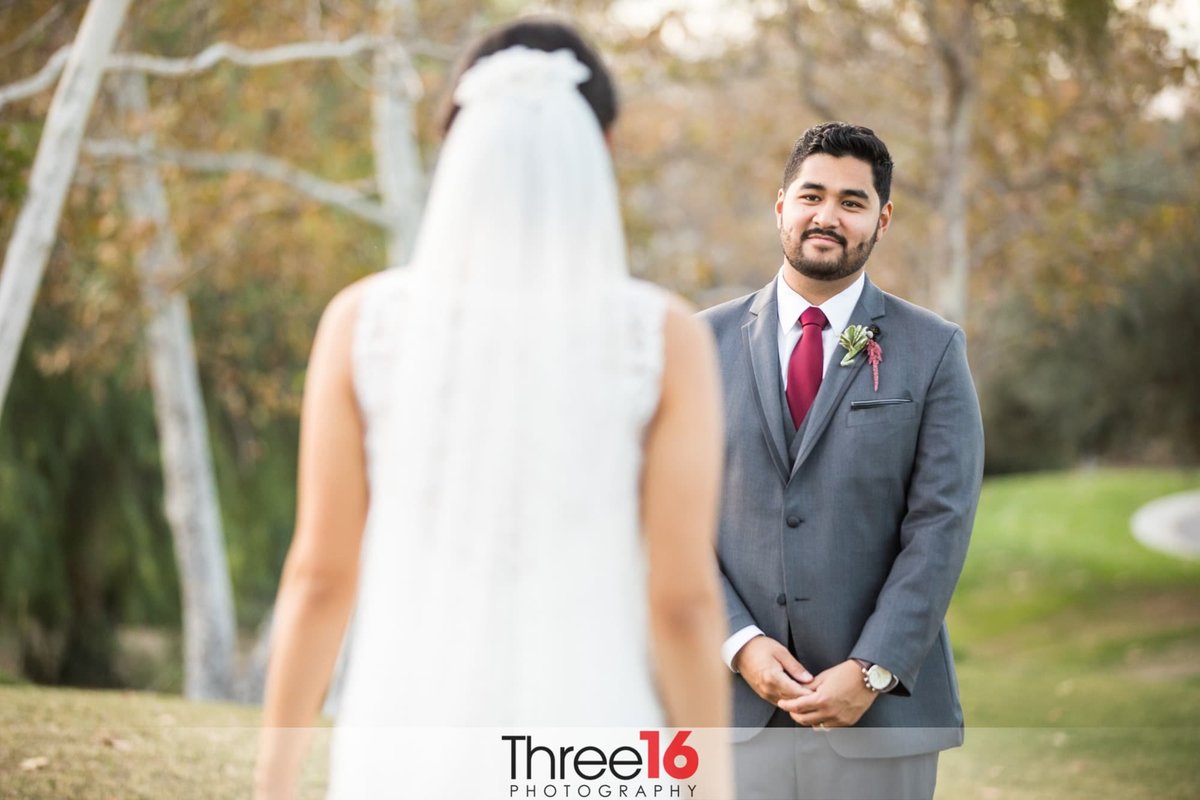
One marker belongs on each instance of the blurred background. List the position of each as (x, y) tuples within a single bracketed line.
[(1046, 155)]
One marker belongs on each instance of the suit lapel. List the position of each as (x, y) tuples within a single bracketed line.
[(761, 338), (837, 378)]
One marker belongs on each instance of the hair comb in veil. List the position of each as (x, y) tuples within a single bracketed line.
[(520, 71)]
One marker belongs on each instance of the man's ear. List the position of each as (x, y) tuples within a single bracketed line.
[(885, 219), (779, 209)]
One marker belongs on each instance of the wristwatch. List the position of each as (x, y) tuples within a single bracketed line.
[(878, 679)]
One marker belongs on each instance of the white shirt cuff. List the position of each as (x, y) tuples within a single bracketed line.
[(736, 642)]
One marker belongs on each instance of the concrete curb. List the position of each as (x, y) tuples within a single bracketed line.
[(1170, 525)]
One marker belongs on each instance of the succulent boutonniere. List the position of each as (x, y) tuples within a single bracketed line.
[(857, 338)]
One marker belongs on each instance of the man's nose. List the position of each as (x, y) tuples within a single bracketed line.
[(825, 215)]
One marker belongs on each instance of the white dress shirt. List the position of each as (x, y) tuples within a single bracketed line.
[(791, 305)]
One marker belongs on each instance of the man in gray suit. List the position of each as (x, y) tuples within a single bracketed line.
[(850, 491)]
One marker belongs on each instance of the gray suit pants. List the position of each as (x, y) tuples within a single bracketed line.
[(787, 762)]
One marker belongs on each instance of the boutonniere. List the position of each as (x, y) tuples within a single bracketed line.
[(857, 338)]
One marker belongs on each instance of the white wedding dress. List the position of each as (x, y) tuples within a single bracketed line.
[(506, 397)]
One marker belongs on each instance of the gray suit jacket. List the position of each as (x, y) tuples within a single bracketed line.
[(854, 541)]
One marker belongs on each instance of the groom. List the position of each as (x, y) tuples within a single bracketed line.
[(853, 466)]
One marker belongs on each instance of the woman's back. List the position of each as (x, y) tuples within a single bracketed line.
[(522, 578), (509, 593)]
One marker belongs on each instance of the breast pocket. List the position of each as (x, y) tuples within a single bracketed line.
[(881, 409)]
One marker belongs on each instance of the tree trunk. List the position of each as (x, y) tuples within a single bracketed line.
[(53, 168), (251, 681), (952, 114), (398, 168), (192, 507)]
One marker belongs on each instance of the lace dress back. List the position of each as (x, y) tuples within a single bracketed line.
[(483, 610)]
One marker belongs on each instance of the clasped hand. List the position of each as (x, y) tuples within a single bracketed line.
[(835, 698)]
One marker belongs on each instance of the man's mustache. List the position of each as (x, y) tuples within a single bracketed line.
[(828, 234)]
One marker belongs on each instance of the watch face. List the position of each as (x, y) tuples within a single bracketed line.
[(879, 677)]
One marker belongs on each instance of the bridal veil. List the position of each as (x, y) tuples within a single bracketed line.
[(507, 377)]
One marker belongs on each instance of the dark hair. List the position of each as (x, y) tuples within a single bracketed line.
[(842, 139), (541, 34)]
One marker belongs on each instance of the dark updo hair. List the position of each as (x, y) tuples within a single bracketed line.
[(541, 34), (842, 139)]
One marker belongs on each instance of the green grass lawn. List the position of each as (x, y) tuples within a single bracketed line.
[(1078, 649), (1078, 654)]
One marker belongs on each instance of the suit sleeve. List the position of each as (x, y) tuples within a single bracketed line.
[(735, 610), (942, 497)]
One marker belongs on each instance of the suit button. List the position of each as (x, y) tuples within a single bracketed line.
[(781, 599), (793, 522)]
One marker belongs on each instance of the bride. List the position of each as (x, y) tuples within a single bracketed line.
[(509, 459)]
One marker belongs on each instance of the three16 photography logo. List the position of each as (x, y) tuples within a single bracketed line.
[(606, 767)]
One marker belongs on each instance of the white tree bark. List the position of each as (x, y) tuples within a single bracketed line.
[(203, 61), (192, 506), (953, 37), (326, 192), (398, 167), (39, 82), (400, 175), (53, 168), (251, 681), (210, 57)]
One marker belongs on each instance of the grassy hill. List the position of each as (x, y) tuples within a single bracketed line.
[(1078, 649), (1078, 652)]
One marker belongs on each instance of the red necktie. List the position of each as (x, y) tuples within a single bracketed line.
[(806, 365)]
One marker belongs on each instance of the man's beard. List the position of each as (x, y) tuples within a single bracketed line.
[(851, 261)]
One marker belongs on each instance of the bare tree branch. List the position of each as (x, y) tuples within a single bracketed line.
[(45, 21), (805, 77), (274, 169), (220, 52), (39, 82), (214, 54)]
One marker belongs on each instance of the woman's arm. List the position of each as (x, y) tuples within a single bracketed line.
[(680, 494), (320, 576)]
